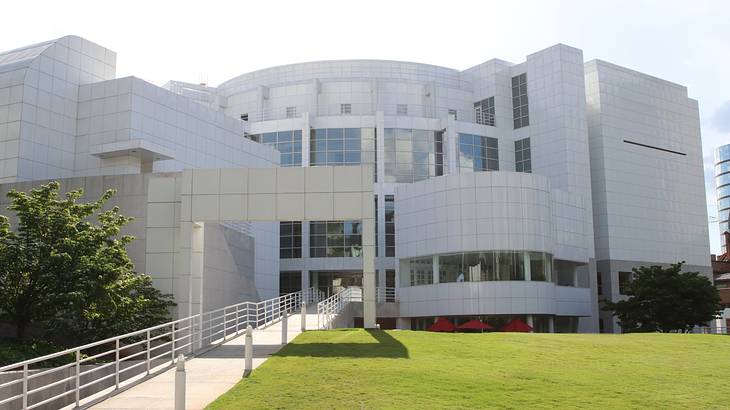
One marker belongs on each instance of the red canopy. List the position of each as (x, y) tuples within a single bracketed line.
[(442, 325), (475, 325), (516, 325)]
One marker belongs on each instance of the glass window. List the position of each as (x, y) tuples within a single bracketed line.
[(417, 271), (723, 179), (412, 155), (402, 109), (342, 146), (484, 111), (454, 113), (723, 203), (484, 266), (290, 240), (723, 191), (291, 112), (722, 167), (523, 158), (345, 108), (335, 239), (389, 226), (624, 278), (289, 143), (520, 112), (478, 153), (290, 282)]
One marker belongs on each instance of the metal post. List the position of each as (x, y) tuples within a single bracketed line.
[(25, 387), (149, 349), (237, 319), (248, 352), (116, 364), (78, 377), (180, 383), (304, 317), (172, 346), (284, 326)]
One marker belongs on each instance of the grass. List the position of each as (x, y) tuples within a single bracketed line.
[(353, 369)]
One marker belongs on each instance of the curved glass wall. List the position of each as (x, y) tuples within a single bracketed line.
[(723, 203), (412, 155), (723, 191), (722, 168), (723, 179), (477, 267)]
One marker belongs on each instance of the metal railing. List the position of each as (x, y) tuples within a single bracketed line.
[(97, 370), (328, 309), (719, 330), (386, 295)]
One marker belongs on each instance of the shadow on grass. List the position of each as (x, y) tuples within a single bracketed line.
[(386, 347)]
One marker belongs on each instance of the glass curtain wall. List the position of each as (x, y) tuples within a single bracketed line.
[(412, 155), (478, 266)]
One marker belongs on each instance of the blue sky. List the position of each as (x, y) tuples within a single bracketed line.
[(687, 42)]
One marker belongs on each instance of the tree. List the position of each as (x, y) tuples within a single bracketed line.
[(666, 300), (69, 274)]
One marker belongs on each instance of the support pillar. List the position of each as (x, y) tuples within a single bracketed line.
[(368, 264)]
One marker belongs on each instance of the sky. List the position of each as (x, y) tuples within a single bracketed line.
[(687, 42)]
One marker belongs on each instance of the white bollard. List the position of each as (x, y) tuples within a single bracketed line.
[(248, 352), (284, 326), (180, 383), (304, 317)]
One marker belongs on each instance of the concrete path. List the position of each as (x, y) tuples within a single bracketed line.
[(208, 375)]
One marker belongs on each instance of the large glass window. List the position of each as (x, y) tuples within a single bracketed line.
[(412, 155), (290, 282), (335, 239), (478, 153), (520, 112), (484, 111), (523, 158), (342, 146), (290, 240), (289, 143), (479, 266), (389, 226), (417, 271)]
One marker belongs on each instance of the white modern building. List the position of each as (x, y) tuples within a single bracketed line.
[(504, 190)]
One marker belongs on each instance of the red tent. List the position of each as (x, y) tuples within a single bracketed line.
[(475, 325), (442, 325), (516, 325)]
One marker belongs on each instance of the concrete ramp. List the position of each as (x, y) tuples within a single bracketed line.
[(208, 375)]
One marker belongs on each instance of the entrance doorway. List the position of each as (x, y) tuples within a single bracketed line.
[(332, 282)]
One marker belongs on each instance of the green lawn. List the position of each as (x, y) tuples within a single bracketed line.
[(353, 369)]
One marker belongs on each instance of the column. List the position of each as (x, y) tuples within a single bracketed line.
[(368, 271), (435, 269), (551, 324), (526, 264)]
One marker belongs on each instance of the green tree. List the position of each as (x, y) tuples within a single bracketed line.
[(665, 300), (65, 268)]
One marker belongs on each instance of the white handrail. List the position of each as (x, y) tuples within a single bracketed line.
[(125, 360), (328, 309), (386, 295)]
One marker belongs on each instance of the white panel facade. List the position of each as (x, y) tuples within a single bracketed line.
[(552, 130)]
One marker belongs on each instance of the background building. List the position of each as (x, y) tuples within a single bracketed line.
[(503, 190), (721, 263)]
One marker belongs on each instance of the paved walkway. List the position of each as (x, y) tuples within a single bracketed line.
[(208, 375)]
